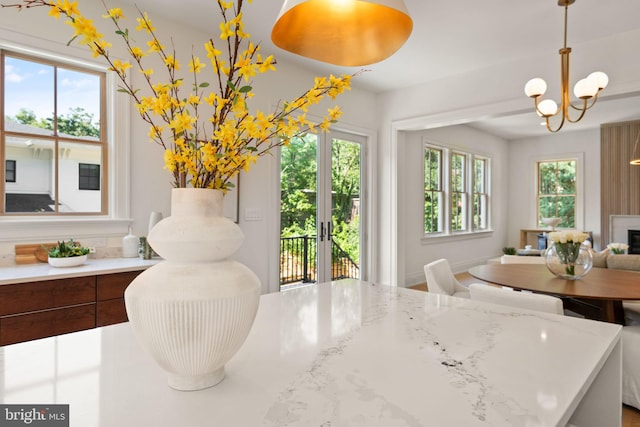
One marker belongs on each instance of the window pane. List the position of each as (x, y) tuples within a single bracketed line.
[(33, 190), (72, 198), (432, 194), (28, 102), (10, 171), (78, 104), (458, 210), (557, 191), (478, 175), (566, 177), (457, 172)]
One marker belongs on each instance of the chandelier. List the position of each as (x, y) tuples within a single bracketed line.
[(586, 89), (342, 32)]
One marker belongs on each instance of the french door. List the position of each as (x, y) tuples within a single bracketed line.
[(321, 217)]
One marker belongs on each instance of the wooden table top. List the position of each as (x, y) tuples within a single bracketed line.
[(599, 283)]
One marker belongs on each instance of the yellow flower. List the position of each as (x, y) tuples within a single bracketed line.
[(226, 31), (69, 9), (195, 65), (137, 53), (155, 46), (171, 63), (115, 13), (234, 138), (144, 23), (120, 67)]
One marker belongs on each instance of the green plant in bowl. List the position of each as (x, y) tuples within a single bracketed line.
[(509, 250), (67, 249)]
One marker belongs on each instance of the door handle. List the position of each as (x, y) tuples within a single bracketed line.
[(322, 231), (329, 230)]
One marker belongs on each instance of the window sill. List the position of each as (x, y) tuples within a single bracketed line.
[(20, 229), (439, 238)]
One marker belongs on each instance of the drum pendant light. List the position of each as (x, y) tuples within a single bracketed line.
[(342, 32)]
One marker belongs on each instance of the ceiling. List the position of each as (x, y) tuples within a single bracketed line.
[(451, 38)]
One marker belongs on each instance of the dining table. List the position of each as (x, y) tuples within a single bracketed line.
[(346, 353), (598, 295)]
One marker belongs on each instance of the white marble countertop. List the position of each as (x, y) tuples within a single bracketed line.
[(347, 353), (43, 271)]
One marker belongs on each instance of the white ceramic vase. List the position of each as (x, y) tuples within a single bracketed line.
[(194, 310)]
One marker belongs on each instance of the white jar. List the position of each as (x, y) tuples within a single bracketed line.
[(130, 245)]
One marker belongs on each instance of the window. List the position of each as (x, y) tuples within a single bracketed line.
[(432, 190), (557, 195), (10, 171), (456, 192), (480, 193), (88, 176), (53, 124)]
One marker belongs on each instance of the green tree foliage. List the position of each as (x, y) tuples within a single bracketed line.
[(557, 191), (299, 191), (77, 122), (298, 187)]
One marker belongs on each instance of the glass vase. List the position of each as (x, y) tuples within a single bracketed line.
[(569, 260)]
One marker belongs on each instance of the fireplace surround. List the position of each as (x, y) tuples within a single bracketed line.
[(634, 242)]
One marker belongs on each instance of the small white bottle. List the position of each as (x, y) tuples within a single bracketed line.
[(130, 245)]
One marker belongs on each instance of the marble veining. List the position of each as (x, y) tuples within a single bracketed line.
[(346, 353)]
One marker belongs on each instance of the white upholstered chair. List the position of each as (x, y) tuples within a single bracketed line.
[(440, 279), (517, 259), (630, 365), (531, 301)]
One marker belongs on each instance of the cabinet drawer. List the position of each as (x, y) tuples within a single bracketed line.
[(112, 286), (32, 296), (110, 312), (25, 327)]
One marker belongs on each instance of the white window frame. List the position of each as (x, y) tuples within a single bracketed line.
[(468, 229), (485, 194), (117, 219)]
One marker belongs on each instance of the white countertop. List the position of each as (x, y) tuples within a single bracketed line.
[(43, 271), (347, 353)]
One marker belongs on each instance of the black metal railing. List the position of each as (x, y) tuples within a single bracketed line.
[(298, 256)]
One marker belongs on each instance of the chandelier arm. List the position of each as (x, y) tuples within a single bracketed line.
[(548, 124), (582, 110), (594, 98)]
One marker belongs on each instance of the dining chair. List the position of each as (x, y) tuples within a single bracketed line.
[(630, 365), (518, 259), (528, 300), (440, 279)]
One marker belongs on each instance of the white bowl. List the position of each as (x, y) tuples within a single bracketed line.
[(71, 261), (552, 222)]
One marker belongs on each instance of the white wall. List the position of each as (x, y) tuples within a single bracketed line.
[(462, 252)]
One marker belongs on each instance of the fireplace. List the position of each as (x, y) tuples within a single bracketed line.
[(634, 241)]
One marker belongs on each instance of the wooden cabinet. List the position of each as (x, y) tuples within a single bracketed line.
[(110, 297), (46, 308)]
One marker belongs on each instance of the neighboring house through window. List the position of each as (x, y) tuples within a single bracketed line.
[(54, 126), (456, 191), (10, 171)]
